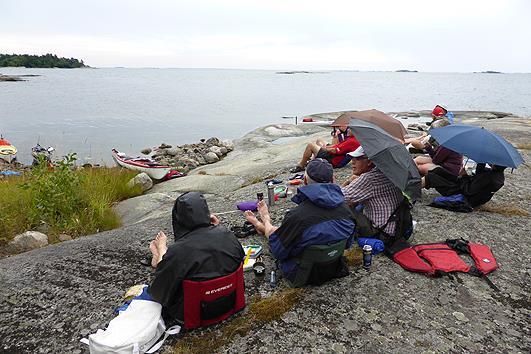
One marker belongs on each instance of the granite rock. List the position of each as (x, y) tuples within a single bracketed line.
[(142, 180), (27, 241)]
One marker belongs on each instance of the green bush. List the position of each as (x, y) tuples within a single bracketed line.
[(63, 199)]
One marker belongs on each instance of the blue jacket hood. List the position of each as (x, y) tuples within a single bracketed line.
[(324, 195)]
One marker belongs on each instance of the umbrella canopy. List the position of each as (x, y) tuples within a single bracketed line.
[(387, 123), (479, 144), (389, 155)]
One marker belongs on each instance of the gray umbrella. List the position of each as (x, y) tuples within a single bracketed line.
[(389, 155)]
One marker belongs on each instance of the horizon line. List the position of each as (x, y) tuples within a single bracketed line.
[(288, 72)]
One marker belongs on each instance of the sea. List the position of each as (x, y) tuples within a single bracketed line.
[(90, 111)]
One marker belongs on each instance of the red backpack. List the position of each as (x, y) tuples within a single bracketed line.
[(436, 259)]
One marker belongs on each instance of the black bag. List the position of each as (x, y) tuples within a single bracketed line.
[(401, 216), (403, 219), (364, 226)]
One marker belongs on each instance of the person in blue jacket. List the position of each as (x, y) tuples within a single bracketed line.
[(321, 217)]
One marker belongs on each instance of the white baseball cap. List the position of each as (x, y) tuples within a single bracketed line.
[(359, 152)]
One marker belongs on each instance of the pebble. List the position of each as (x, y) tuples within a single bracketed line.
[(376, 327), (443, 300), (339, 348), (350, 325), (460, 316)]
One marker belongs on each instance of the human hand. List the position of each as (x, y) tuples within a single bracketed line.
[(352, 178), (214, 220), (417, 143)]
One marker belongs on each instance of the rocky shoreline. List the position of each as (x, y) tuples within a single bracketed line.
[(189, 156), (15, 77), (66, 291)]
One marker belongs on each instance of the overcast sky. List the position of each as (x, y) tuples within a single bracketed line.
[(449, 35)]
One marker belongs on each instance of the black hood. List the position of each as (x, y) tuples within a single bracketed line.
[(189, 212)]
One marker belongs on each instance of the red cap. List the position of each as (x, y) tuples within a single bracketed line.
[(438, 111)]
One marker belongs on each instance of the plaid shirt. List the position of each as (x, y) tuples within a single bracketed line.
[(379, 196)]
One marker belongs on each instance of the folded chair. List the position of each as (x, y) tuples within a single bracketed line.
[(212, 301), (318, 264)]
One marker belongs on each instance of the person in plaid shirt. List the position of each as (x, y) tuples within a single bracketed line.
[(370, 189)]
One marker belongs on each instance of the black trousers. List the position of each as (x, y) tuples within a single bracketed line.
[(443, 181)]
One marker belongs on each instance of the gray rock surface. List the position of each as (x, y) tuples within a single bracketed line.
[(66, 291), (216, 150), (189, 156), (211, 157), (27, 241), (142, 180)]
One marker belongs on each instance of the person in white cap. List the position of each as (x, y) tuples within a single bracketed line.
[(372, 196)]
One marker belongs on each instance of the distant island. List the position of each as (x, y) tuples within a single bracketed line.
[(40, 61), (300, 72), (406, 71), (491, 72)]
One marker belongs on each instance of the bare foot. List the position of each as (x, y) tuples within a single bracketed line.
[(264, 212), (158, 248), (154, 254), (161, 241), (249, 216)]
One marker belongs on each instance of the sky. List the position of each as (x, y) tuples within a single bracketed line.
[(434, 36)]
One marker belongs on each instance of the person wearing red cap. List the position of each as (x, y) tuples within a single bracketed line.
[(441, 112)]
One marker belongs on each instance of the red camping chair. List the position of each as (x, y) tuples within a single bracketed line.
[(212, 301)]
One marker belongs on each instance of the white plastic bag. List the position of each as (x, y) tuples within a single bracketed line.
[(135, 330)]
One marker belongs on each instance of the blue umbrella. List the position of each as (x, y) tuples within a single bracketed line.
[(479, 144)]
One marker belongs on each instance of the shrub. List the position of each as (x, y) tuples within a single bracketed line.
[(63, 199)]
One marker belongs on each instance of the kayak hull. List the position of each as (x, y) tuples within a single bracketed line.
[(6, 148), (154, 171)]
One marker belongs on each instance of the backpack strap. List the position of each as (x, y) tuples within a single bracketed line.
[(477, 273), (391, 218), (484, 260)]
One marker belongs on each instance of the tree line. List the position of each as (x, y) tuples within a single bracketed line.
[(39, 61)]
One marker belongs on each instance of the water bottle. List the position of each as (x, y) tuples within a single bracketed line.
[(270, 194), (273, 280)]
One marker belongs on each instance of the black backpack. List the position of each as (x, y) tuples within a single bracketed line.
[(404, 222), (401, 216)]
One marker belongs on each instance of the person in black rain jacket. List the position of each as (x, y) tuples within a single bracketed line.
[(202, 250)]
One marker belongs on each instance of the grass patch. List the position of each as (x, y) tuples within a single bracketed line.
[(260, 312), (257, 180), (505, 209), (74, 202), (202, 172), (524, 146), (354, 256)]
